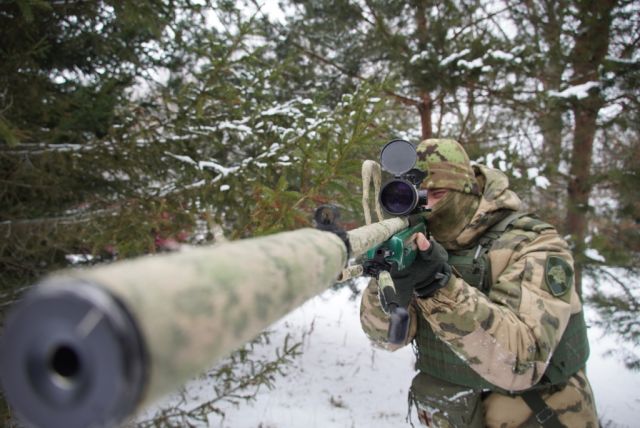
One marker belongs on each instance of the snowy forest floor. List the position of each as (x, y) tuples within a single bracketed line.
[(340, 380)]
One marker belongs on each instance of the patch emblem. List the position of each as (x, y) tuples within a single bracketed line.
[(558, 274)]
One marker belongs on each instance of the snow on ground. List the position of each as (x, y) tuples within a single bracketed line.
[(340, 380), (616, 389)]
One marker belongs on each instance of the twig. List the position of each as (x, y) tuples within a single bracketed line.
[(626, 289)]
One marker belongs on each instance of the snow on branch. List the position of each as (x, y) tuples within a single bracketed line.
[(223, 170), (235, 126), (504, 56), (182, 158), (629, 61), (541, 181), (476, 63), (578, 91), (286, 109), (454, 57)]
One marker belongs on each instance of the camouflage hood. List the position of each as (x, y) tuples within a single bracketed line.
[(497, 201)]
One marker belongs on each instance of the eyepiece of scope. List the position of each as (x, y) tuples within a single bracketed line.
[(77, 358)]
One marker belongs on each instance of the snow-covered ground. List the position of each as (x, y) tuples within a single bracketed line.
[(340, 380)]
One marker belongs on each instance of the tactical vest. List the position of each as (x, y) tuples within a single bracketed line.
[(435, 358)]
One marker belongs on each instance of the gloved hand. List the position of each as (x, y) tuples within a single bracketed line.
[(428, 273)]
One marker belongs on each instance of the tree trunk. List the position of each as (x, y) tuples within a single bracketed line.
[(550, 120), (426, 108), (580, 184), (592, 44)]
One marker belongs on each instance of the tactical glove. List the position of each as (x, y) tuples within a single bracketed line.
[(429, 272)]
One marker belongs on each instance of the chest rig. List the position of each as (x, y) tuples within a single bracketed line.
[(473, 265)]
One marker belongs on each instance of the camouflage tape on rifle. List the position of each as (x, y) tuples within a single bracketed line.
[(200, 304), (366, 237), (350, 272), (385, 280), (90, 346)]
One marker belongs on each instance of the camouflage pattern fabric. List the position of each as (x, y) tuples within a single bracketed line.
[(507, 336), (447, 165), (442, 404), (496, 202), (451, 215), (573, 404), (365, 237)]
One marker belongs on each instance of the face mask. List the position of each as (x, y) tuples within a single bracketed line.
[(451, 214)]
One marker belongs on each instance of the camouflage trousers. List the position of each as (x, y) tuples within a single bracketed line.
[(444, 405)]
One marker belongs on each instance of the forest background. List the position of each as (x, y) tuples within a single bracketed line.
[(131, 127)]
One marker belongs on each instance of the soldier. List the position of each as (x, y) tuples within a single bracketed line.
[(495, 320)]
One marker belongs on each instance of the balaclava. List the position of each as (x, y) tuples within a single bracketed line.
[(448, 167)]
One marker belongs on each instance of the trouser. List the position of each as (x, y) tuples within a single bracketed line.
[(445, 405)]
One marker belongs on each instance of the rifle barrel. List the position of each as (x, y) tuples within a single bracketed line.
[(87, 347)]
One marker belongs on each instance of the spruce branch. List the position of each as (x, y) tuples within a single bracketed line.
[(228, 385), (400, 98)]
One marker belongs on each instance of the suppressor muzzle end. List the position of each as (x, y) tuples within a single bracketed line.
[(72, 356)]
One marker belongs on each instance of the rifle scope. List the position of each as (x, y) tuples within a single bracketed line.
[(401, 196)]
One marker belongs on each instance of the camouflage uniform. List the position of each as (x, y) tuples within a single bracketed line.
[(506, 336)]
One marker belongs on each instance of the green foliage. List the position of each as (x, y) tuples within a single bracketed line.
[(69, 158), (232, 138), (65, 65), (236, 380), (618, 308), (327, 158), (232, 123)]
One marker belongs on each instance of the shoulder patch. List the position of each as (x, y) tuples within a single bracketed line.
[(558, 275)]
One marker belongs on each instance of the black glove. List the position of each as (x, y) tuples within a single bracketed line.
[(429, 272)]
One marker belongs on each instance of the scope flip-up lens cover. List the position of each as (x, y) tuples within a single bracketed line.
[(398, 157)]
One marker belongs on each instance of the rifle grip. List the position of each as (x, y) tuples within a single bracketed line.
[(398, 325), (398, 316)]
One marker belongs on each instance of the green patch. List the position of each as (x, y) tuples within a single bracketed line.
[(451, 152), (194, 302), (558, 275)]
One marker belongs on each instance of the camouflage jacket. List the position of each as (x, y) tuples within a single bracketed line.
[(508, 335)]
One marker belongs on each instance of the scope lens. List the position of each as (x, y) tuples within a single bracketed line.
[(398, 197)]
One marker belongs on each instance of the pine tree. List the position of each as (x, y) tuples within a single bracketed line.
[(211, 129), (577, 73), (439, 55), (66, 72)]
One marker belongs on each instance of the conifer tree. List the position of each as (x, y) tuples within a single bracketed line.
[(233, 138), (441, 57), (575, 92), (212, 131), (66, 72)]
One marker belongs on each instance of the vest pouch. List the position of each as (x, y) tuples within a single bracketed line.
[(572, 352), (444, 405), (472, 266)]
